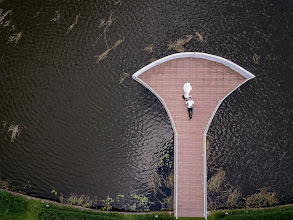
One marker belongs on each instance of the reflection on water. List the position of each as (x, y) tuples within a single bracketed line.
[(86, 127)]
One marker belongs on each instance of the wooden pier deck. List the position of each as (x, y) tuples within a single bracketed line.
[(211, 82)]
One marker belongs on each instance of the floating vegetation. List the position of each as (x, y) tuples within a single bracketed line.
[(233, 198), (107, 204), (120, 197), (153, 59), (57, 16), (200, 38), (37, 14), (263, 198), (4, 184), (28, 185), (221, 194), (216, 181), (14, 130), (256, 58), (118, 2), (61, 199), (54, 192), (178, 45), (3, 16), (142, 202), (165, 161), (15, 37), (124, 76), (82, 200), (4, 123), (9, 23), (104, 54), (72, 26), (149, 49), (106, 25)]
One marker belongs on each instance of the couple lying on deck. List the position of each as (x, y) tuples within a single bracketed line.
[(188, 99)]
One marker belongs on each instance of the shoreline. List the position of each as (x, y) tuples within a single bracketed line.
[(171, 213), (79, 207)]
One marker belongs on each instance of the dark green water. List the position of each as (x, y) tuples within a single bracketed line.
[(87, 128)]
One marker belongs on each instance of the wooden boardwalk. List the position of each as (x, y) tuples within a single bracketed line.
[(211, 82)]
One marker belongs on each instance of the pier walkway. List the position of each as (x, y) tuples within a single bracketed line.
[(212, 79)]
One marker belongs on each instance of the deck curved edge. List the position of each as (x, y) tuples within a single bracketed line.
[(206, 56)]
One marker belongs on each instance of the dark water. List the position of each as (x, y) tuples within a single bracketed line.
[(87, 128)]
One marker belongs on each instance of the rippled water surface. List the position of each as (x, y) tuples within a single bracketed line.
[(87, 128)]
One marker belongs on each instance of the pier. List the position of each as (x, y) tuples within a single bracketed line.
[(212, 79)]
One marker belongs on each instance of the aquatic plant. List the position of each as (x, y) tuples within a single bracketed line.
[(84, 201), (4, 123), (263, 198), (256, 58), (61, 198), (120, 197), (142, 202), (54, 192), (72, 25), (153, 59), (3, 16), (105, 53), (107, 204), (106, 25), (222, 194), (200, 38), (57, 16), (233, 197), (72, 200), (15, 37), (4, 184), (149, 49), (216, 181), (124, 76), (14, 129), (179, 43)]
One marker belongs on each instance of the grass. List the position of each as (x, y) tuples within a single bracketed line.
[(16, 207), (277, 213)]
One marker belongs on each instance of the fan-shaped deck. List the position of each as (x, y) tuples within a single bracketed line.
[(211, 82)]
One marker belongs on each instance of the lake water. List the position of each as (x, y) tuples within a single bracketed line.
[(87, 128)]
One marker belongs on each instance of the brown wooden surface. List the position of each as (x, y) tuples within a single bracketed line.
[(210, 82)]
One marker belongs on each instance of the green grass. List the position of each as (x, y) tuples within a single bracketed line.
[(16, 207), (277, 213)]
